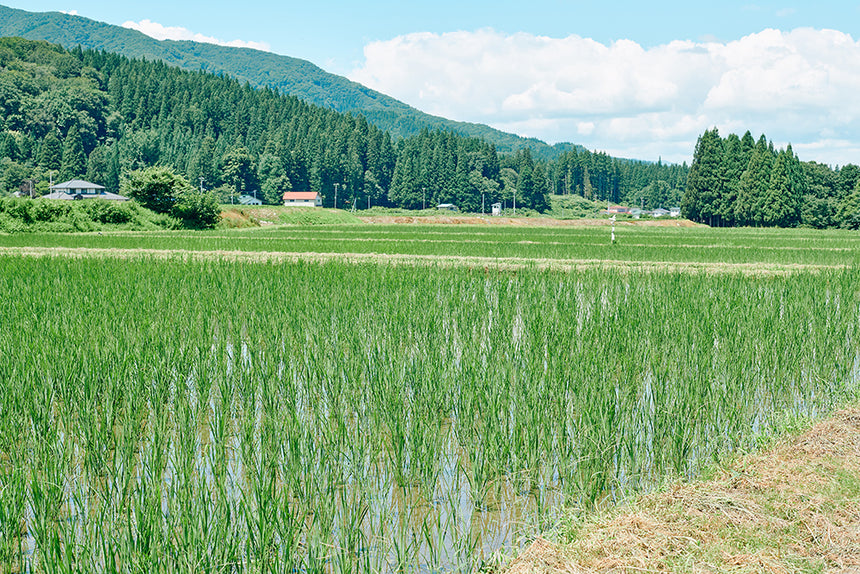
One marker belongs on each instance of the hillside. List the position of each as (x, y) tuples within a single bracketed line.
[(291, 76)]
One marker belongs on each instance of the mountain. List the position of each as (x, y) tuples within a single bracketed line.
[(292, 76)]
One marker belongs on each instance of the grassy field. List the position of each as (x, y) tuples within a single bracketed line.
[(653, 245), (167, 413)]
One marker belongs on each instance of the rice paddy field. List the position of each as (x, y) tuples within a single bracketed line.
[(164, 411)]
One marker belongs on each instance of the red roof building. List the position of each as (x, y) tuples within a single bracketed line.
[(302, 199)]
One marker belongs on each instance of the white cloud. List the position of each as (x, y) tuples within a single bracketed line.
[(69, 12), (798, 86), (160, 32)]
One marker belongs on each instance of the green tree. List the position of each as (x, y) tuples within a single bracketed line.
[(237, 170), (753, 186), (197, 210), (706, 181), (160, 189), (103, 167), (273, 178), (51, 152), (848, 215), (781, 207), (157, 188), (74, 163)]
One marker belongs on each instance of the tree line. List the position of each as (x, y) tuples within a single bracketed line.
[(741, 181), (89, 114)]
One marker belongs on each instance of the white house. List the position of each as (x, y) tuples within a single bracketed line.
[(302, 199), (79, 189), (447, 207), (660, 212)]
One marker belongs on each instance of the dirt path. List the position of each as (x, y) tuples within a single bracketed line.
[(794, 508), (484, 263)]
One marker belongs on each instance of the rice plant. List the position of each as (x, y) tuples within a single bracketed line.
[(209, 416)]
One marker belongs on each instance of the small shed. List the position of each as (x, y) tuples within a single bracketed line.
[(660, 212), (447, 207), (497, 209)]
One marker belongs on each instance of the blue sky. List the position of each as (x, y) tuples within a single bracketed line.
[(632, 78)]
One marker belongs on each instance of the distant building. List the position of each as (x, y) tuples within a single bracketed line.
[(618, 209), (674, 212), (249, 200), (80, 189), (302, 199), (660, 212), (447, 207), (497, 209)]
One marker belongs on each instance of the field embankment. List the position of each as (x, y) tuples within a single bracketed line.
[(792, 508)]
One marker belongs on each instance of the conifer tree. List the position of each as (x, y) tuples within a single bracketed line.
[(780, 208), (51, 152), (706, 180), (74, 162), (754, 184)]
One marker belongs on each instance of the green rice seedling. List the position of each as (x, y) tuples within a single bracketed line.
[(349, 417)]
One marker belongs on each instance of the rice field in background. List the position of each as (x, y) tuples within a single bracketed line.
[(560, 243), (185, 415)]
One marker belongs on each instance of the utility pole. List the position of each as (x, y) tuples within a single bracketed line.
[(335, 195), (424, 203), (482, 203), (515, 201), (201, 185)]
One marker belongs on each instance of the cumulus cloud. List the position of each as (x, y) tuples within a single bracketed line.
[(69, 12), (161, 32), (798, 86)]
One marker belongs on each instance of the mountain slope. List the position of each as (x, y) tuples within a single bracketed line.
[(288, 75)]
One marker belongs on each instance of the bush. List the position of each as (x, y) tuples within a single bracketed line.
[(46, 215), (160, 189)]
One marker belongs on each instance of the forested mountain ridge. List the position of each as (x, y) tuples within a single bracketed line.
[(64, 114), (288, 75)]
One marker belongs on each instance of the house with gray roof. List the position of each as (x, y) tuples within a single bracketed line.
[(80, 189)]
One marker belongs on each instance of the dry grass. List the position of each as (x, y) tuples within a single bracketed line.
[(794, 508), (520, 221)]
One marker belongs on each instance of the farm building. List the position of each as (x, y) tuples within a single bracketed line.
[(660, 212), (447, 207), (302, 199), (79, 189), (249, 200)]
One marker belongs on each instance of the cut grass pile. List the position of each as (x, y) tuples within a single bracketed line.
[(792, 508)]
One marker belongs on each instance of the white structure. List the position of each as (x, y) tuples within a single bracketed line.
[(659, 212), (447, 207), (674, 212), (79, 189), (302, 199), (497, 209), (249, 200)]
